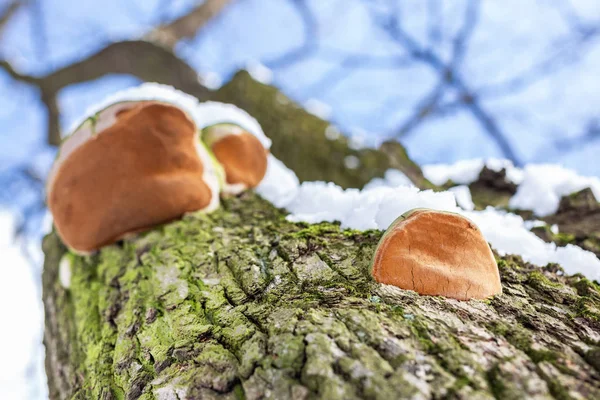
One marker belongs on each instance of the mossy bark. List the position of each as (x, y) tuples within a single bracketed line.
[(299, 139), (241, 303)]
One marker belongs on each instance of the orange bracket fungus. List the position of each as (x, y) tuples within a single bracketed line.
[(132, 166), (437, 253), (241, 154)]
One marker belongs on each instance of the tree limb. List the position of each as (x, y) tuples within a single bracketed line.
[(309, 44), (150, 61), (187, 26), (8, 14), (424, 109), (16, 75), (448, 71), (144, 60)]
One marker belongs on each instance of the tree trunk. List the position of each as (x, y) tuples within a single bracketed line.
[(310, 146), (242, 304)]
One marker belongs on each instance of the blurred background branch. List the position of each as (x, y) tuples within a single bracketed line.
[(150, 60), (186, 26), (407, 70), (7, 14)]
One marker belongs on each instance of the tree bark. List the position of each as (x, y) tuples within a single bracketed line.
[(300, 139), (242, 304)]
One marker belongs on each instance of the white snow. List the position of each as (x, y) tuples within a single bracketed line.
[(467, 171), (462, 193), (357, 141), (384, 200), (544, 184), (391, 178), (203, 113), (540, 186), (21, 310), (280, 184), (508, 234)]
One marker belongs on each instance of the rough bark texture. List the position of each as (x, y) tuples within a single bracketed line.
[(241, 304)]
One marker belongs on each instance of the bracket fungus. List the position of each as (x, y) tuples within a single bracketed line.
[(437, 253), (242, 155), (132, 166), (139, 161)]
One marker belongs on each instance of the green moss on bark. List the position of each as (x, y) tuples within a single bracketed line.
[(241, 303)]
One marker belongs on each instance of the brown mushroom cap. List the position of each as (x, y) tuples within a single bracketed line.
[(437, 253), (242, 155), (141, 170)]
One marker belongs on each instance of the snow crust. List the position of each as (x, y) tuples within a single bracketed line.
[(544, 184), (462, 193), (391, 178), (467, 171), (384, 200), (280, 184), (203, 113), (540, 186)]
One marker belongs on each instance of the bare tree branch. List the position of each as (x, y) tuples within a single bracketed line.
[(591, 133), (461, 40), (16, 75), (144, 60), (141, 59), (148, 61), (448, 72), (565, 55), (352, 62), (8, 14), (52, 118), (309, 44), (186, 26), (434, 22), (425, 108)]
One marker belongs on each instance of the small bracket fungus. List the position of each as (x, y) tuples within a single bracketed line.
[(437, 253), (132, 166), (242, 155)]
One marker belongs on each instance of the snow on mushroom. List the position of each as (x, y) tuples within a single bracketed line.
[(132, 166), (139, 161), (437, 253), (242, 155)]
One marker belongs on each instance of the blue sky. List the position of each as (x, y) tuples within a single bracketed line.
[(510, 38)]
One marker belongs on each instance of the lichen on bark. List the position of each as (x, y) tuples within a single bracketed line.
[(241, 303)]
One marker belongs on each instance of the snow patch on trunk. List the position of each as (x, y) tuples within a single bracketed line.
[(383, 200)]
